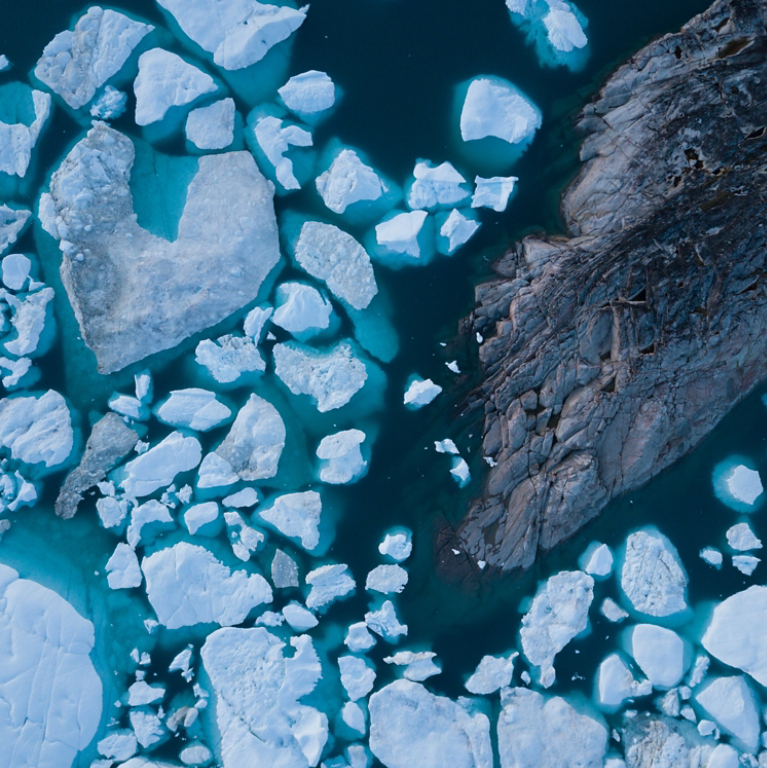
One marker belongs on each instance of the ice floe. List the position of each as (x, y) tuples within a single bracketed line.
[(397, 545), (28, 321), (199, 517), (296, 516), (340, 457), (212, 127), (384, 622), (17, 135), (660, 653), (741, 538), (597, 560), (737, 485), (386, 579), (299, 618), (230, 358), (712, 556), (493, 192), (454, 229), (301, 310), (357, 677), (492, 674), (418, 666), (215, 472), (731, 703), (123, 571), (746, 564), (308, 93), (16, 268), (329, 583), (436, 187), (284, 571), (349, 181), (404, 236), (13, 221), (120, 745), (421, 392), (196, 409), (358, 639), (275, 138), (615, 683)]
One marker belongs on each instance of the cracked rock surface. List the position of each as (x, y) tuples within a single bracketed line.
[(611, 354)]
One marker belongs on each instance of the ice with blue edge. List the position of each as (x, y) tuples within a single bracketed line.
[(301, 310), (349, 180), (147, 520), (308, 93), (340, 456), (29, 317), (493, 192), (746, 564), (731, 703), (123, 570), (199, 517), (196, 409), (110, 105), (454, 229), (296, 516), (741, 538), (230, 358), (737, 484), (418, 665), (434, 187), (212, 127), (166, 80), (275, 137), (384, 622), (387, 579), (660, 653), (405, 238), (597, 560), (615, 683), (238, 33), (329, 583), (299, 618), (712, 556), (23, 114), (492, 674), (421, 392), (75, 64), (13, 221), (397, 544), (51, 693)]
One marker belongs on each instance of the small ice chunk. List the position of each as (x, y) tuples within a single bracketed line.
[(284, 571), (652, 577), (141, 693), (457, 229), (16, 268), (387, 579), (421, 392), (418, 666), (153, 514), (746, 564), (216, 472), (275, 139), (255, 321), (712, 556), (659, 652), (158, 467), (397, 545), (559, 612), (494, 107), (384, 622), (308, 93), (597, 560), (331, 377), (299, 618), (699, 670), (446, 446), (182, 662), (301, 309), (357, 677), (615, 683), (435, 186), (111, 511), (353, 717), (128, 406), (212, 127), (731, 703), (493, 192), (348, 181), (110, 105), (400, 233), (741, 538), (341, 458), (244, 539), (330, 254), (195, 409), (297, 516), (737, 485), (147, 727), (122, 568), (28, 320), (247, 497), (119, 745), (453, 366), (229, 357), (12, 223), (4, 62), (492, 674), (194, 753), (187, 585), (270, 619), (460, 471), (328, 583), (358, 639)]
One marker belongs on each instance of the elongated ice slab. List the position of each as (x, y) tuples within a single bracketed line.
[(493, 192), (492, 674), (159, 465)]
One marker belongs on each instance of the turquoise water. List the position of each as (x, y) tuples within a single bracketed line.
[(397, 64)]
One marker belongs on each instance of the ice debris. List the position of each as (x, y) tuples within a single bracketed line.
[(12, 224), (275, 139), (195, 409), (284, 571), (712, 556), (746, 564), (299, 618), (460, 471), (229, 358), (403, 234), (597, 560), (384, 622), (341, 458), (123, 571), (212, 127)]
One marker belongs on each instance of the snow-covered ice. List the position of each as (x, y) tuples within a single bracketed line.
[(275, 138), (229, 357), (123, 571), (402, 233), (386, 579), (493, 192), (349, 181), (559, 612), (746, 564), (454, 230), (297, 516), (597, 560), (659, 652), (357, 677), (308, 93), (299, 618), (16, 268), (17, 138), (329, 583), (341, 458), (436, 186), (195, 409), (110, 105), (421, 392), (384, 622), (737, 485), (397, 545), (741, 538), (731, 703), (418, 666), (212, 127), (301, 309), (187, 585), (712, 556), (615, 683), (492, 674)]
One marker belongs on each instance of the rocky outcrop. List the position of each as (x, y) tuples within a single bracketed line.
[(609, 355)]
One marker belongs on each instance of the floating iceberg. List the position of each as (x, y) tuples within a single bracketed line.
[(297, 516), (493, 192), (712, 556), (738, 485), (198, 518), (492, 674), (28, 321), (454, 229), (308, 93), (358, 639), (612, 611), (349, 181), (187, 585), (284, 571), (16, 269), (229, 358), (387, 579), (12, 223), (195, 409), (615, 683), (404, 237), (732, 704), (75, 64), (301, 310), (328, 583), (212, 127), (660, 653), (421, 392), (110, 105), (384, 622), (559, 612), (275, 138), (397, 545), (741, 538), (239, 33), (411, 727), (460, 471), (123, 571), (299, 618), (419, 666), (597, 560), (18, 135), (147, 520), (216, 472), (436, 187), (341, 458), (746, 564), (357, 677)]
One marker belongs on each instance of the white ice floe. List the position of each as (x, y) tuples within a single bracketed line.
[(141, 693), (358, 639), (301, 309), (297, 516), (735, 634), (402, 233), (724, 756), (421, 392), (244, 539), (229, 357), (386, 579), (615, 683), (12, 224), (409, 726), (660, 654), (17, 371), (349, 181), (37, 430), (341, 458), (556, 23), (737, 485), (216, 472), (195, 409), (239, 33), (17, 139), (455, 229), (76, 63), (187, 585), (158, 467), (494, 107), (559, 612), (460, 471), (256, 702), (147, 520), (652, 577), (308, 93), (330, 254), (51, 694), (147, 726), (331, 377), (357, 677), (110, 105), (165, 80), (15, 490), (492, 674), (731, 703), (275, 139), (539, 732), (255, 441), (4, 63), (397, 545), (329, 583), (284, 571), (746, 564), (16, 268), (299, 618), (453, 366), (446, 446), (212, 127), (597, 560), (493, 192), (353, 717), (741, 538), (419, 666), (384, 622), (564, 29), (195, 754), (119, 745), (436, 186), (128, 406), (122, 568), (712, 556), (182, 662), (247, 497), (28, 320)]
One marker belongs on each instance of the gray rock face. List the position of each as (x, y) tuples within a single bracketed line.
[(135, 293), (110, 440), (611, 354)]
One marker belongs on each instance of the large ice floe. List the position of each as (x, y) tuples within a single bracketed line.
[(126, 285), (23, 114), (50, 692)]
